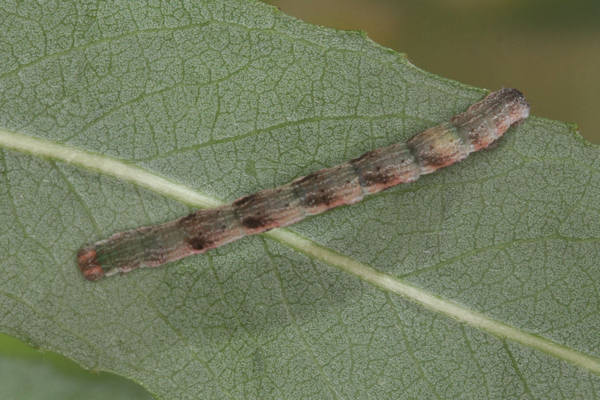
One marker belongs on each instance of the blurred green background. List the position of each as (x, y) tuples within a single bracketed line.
[(28, 374), (549, 49)]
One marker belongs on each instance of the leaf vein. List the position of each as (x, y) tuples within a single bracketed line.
[(138, 176)]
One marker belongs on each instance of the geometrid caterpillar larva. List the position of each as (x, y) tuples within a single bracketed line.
[(150, 246)]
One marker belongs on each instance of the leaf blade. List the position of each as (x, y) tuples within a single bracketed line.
[(263, 100)]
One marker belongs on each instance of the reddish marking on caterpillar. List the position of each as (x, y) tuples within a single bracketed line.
[(481, 124), (256, 222), (88, 265)]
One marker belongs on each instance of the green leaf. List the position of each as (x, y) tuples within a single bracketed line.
[(28, 374), (479, 281)]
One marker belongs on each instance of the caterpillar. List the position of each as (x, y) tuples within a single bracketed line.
[(480, 125)]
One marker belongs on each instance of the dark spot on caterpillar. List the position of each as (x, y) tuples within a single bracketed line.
[(245, 200), (254, 222), (198, 242)]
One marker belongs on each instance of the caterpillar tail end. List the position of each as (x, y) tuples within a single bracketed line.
[(88, 264)]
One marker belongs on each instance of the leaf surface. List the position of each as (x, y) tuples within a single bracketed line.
[(479, 281)]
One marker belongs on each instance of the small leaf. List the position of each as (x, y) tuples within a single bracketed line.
[(29, 374), (120, 114)]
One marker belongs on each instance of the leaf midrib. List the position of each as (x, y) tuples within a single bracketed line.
[(133, 174)]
